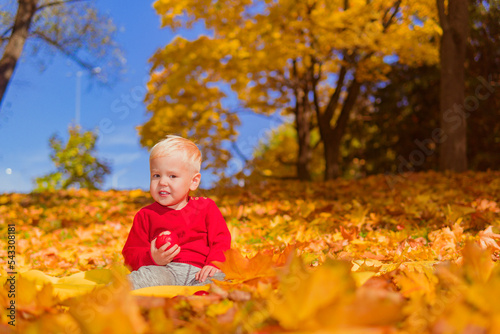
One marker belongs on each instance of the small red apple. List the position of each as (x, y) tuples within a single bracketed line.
[(166, 236), (201, 293)]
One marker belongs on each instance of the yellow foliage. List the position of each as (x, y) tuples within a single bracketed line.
[(359, 257), (265, 51), (307, 300), (108, 309), (239, 269)]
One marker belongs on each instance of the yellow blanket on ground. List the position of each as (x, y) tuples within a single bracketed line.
[(84, 282)]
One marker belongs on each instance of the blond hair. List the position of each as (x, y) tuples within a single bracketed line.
[(165, 147)]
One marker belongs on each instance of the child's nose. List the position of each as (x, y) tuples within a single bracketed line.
[(164, 180)]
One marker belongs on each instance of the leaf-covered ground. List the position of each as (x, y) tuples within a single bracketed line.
[(412, 254)]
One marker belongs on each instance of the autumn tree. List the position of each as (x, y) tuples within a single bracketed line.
[(402, 130), (454, 20), (76, 162), (407, 114), (309, 59), (73, 28)]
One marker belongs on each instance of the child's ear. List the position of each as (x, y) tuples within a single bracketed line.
[(195, 182)]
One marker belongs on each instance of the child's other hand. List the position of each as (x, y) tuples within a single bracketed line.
[(161, 255), (205, 272)]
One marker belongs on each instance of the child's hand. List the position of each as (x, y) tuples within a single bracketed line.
[(161, 256), (205, 272)]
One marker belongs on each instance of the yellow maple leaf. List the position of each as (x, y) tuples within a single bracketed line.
[(108, 309), (239, 268), (374, 307), (303, 295), (477, 263), (418, 284)]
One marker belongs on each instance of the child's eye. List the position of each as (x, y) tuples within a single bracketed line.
[(156, 176), (173, 176)]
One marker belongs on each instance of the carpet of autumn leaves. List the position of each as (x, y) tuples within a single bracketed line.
[(412, 254)]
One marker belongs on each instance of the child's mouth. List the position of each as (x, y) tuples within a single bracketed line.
[(164, 193)]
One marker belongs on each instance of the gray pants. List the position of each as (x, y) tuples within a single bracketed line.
[(173, 273)]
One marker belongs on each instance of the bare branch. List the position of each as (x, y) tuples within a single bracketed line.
[(57, 3), (67, 53), (390, 20), (4, 35), (239, 153)]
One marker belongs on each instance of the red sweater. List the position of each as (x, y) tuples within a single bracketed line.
[(202, 231)]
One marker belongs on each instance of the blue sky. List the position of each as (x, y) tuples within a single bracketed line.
[(40, 104)]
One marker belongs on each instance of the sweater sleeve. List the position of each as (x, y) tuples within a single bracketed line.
[(219, 237), (137, 249)]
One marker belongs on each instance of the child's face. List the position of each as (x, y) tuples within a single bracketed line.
[(171, 180)]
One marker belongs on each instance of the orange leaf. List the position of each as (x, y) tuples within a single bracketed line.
[(487, 239), (240, 268), (351, 234)]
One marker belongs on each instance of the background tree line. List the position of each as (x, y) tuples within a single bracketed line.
[(359, 80), (392, 130), (367, 87)]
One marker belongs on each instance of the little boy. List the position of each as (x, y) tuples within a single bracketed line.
[(202, 232)]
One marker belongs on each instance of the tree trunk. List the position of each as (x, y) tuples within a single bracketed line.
[(331, 155), (302, 125), (14, 48), (333, 137), (454, 22)]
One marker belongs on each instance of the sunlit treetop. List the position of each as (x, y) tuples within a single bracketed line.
[(263, 51)]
